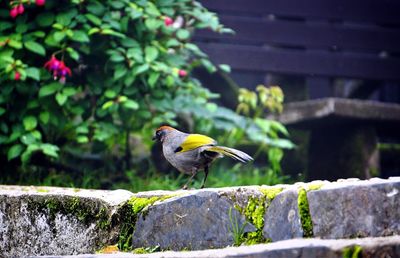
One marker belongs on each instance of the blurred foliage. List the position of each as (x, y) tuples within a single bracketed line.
[(131, 64)]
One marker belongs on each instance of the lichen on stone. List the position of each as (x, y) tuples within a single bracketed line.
[(352, 252), (304, 211)]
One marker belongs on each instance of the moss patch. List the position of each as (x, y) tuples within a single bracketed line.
[(128, 216), (271, 191), (305, 216), (84, 210), (352, 252), (314, 186), (254, 213)]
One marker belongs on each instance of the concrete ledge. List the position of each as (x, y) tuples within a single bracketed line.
[(310, 113), (295, 248), (59, 221)]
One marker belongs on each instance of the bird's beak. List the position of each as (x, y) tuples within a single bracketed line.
[(154, 138)]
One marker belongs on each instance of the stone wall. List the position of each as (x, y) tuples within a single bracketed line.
[(57, 221)]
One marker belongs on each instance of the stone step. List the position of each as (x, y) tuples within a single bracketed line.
[(294, 248), (62, 221)]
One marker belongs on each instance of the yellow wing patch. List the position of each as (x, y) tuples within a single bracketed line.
[(194, 141)]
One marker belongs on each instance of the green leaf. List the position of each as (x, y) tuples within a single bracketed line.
[(2, 111), (131, 104), (107, 104), (152, 10), (152, 24), (44, 117), (61, 98), (28, 139), (59, 35), (50, 150), (30, 123), (119, 72), (96, 21), (15, 151), (96, 8), (73, 53), (45, 19), (140, 69), (33, 72), (135, 53), (69, 91), (80, 36), (66, 17), (15, 44), (110, 94), (49, 89), (151, 53), (183, 34), (82, 139), (130, 42), (117, 57), (5, 25), (224, 67), (153, 78)]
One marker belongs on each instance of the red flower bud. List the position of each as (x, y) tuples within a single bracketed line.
[(20, 9), (40, 2), (14, 12), (17, 76), (182, 73), (168, 21)]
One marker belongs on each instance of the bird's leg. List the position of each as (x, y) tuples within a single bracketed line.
[(205, 176), (185, 186)]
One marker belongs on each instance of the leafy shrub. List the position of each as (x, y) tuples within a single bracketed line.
[(80, 78)]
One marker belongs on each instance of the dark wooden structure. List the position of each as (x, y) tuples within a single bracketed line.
[(336, 48)]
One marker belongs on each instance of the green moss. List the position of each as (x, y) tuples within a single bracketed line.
[(255, 211), (314, 186), (352, 252), (271, 191), (84, 211), (129, 214), (304, 211)]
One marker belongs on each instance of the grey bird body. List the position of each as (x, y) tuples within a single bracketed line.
[(190, 153)]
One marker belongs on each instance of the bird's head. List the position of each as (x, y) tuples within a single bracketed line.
[(161, 132)]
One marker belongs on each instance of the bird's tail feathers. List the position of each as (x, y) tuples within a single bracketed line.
[(232, 153)]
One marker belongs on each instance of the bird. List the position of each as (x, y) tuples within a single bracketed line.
[(190, 153)]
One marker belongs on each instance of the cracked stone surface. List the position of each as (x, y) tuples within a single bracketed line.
[(282, 219), (196, 221), (356, 209), (29, 227)]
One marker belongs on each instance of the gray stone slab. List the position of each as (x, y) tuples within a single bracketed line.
[(195, 221), (356, 209), (33, 220), (294, 248), (282, 219)]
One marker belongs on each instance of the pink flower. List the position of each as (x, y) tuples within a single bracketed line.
[(168, 21), (17, 76), (40, 2), (14, 12), (182, 73), (52, 64), (20, 9), (58, 68)]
